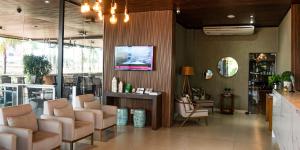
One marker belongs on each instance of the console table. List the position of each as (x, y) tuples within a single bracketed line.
[(156, 100)]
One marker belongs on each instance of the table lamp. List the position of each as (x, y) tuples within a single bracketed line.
[(186, 72)]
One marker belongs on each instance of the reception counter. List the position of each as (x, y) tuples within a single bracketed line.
[(286, 119)]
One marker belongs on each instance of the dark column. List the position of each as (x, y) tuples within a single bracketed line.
[(60, 49), (296, 43)]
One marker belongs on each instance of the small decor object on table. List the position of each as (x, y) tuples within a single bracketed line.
[(128, 88), (286, 78), (227, 91), (120, 90), (140, 90), (274, 81), (148, 90), (114, 85)]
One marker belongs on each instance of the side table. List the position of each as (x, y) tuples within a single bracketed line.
[(224, 109)]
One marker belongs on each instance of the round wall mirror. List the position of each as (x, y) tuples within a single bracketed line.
[(208, 74), (228, 67)]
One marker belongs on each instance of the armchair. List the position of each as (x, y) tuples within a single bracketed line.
[(189, 110), (8, 141), (76, 125), (106, 115), (32, 133)]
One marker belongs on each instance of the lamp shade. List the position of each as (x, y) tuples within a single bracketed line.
[(187, 71)]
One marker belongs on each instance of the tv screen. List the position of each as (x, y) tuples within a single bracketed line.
[(134, 58)]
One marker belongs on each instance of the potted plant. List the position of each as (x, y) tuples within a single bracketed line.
[(286, 79), (35, 67), (274, 81)]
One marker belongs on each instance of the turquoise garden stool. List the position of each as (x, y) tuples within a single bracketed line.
[(139, 118), (122, 116)]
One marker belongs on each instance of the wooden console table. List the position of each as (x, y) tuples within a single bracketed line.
[(156, 112), (229, 110)]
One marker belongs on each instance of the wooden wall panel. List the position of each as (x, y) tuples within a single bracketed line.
[(296, 43), (144, 28)]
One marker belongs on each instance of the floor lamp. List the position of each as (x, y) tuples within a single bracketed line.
[(186, 87)]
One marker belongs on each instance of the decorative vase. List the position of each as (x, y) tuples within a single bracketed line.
[(114, 85), (128, 88), (288, 85), (120, 90)]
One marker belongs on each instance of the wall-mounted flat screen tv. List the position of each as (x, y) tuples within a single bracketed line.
[(138, 58)]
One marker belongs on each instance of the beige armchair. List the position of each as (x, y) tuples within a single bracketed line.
[(189, 110), (76, 125), (8, 141), (32, 133), (106, 115)]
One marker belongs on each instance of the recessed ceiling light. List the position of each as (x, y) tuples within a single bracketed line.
[(251, 16), (177, 10), (47, 1), (230, 16), (251, 21)]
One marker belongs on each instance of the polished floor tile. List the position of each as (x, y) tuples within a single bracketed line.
[(224, 132)]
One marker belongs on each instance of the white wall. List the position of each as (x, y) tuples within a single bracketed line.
[(284, 44)]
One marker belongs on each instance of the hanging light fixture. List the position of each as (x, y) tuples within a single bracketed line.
[(113, 19), (85, 7), (126, 16), (100, 15), (97, 6)]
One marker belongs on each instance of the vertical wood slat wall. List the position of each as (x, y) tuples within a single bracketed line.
[(296, 43), (144, 28)]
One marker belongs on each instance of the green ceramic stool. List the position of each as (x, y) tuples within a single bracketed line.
[(139, 118), (122, 116)]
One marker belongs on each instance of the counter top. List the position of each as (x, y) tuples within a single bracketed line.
[(293, 98)]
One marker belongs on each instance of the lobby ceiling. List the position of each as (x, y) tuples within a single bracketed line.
[(199, 13), (39, 20)]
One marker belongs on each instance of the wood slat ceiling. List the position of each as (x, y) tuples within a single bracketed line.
[(199, 13), (194, 14), (39, 20)]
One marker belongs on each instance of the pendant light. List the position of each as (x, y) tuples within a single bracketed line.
[(97, 6), (100, 15), (126, 16), (113, 19), (85, 7)]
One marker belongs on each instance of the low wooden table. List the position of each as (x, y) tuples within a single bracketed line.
[(229, 110)]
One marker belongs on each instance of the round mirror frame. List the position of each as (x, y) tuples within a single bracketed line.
[(232, 68)]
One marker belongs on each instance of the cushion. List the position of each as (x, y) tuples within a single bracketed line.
[(82, 129), (45, 140), (92, 105), (109, 120), (66, 111), (188, 104), (27, 121)]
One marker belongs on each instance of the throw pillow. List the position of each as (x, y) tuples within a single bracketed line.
[(66, 111), (27, 121), (92, 105)]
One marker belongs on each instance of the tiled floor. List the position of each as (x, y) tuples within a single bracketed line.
[(224, 132)]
